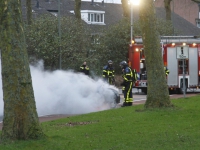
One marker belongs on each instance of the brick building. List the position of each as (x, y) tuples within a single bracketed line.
[(187, 9)]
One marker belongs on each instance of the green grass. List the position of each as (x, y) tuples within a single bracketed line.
[(130, 128)]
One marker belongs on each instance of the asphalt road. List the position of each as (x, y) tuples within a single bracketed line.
[(140, 97)]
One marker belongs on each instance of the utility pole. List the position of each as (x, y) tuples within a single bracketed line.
[(133, 2), (131, 23), (173, 17), (59, 33)]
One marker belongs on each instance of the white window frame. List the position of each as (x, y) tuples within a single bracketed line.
[(92, 16), (198, 23), (96, 17)]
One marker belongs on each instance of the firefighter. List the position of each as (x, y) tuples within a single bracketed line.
[(127, 83), (85, 69), (109, 73), (166, 71), (135, 75), (123, 87)]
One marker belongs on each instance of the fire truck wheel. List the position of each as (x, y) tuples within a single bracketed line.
[(144, 91), (173, 91)]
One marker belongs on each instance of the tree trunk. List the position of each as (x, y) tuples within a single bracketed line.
[(168, 9), (126, 8), (20, 116), (77, 9), (157, 94), (29, 12)]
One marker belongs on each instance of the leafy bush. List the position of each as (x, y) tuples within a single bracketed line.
[(43, 42), (76, 43)]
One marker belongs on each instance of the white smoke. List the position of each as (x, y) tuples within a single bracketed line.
[(67, 92)]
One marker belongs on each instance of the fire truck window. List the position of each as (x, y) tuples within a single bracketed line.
[(180, 67), (142, 54), (143, 71)]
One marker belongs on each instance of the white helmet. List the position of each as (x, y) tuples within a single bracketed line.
[(110, 62), (123, 63)]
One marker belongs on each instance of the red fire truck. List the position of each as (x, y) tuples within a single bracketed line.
[(181, 55)]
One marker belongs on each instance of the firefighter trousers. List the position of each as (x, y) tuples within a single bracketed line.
[(128, 94), (109, 80)]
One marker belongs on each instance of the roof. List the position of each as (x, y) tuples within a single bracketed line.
[(113, 13), (180, 24), (197, 1)]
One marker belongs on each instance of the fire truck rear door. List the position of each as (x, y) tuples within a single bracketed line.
[(172, 65), (193, 66)]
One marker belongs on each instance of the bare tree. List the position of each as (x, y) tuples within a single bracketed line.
[(20, 116), (157, 94), (29, 11), (126, 9), (168, 9), (77, 9)]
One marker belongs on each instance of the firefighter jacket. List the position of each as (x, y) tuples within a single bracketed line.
[(134, 75), (127, 75), (166, 71), (108, 72), (84, 69)]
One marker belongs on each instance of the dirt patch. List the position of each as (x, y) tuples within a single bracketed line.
[(47, 118), (70, 124)]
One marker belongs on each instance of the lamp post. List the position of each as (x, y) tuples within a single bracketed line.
[(133, 2), (59, 34), (173, 17), (131, 23)]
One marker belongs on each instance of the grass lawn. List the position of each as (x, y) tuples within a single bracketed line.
[(129, 128)]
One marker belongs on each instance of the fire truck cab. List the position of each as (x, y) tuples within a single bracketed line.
[(181, 55)]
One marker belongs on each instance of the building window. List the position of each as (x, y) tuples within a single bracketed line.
[(96, 17), (198, 23), (92, 17), (88, 17), (101, 16)]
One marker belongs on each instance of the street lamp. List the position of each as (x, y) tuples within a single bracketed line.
[(133, 2), (59, 33), (173, 16)]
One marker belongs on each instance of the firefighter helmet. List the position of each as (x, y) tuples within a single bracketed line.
[(123, 64), (110, 62)]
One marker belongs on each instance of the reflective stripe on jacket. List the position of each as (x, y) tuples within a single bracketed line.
[(108, 71), (128, 75)]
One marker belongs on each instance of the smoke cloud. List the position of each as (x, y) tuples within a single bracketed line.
[(67, 92)]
